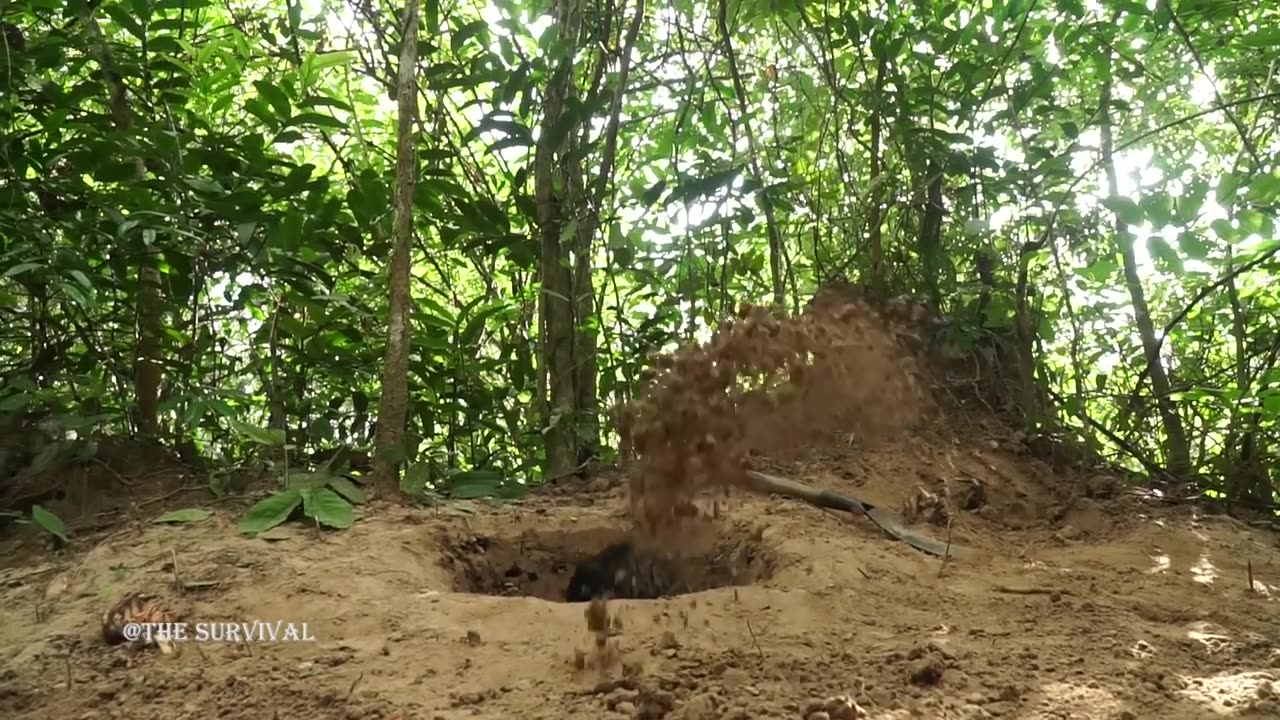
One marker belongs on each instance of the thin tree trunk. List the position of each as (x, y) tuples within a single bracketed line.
[(930, 238), (586, 380), (148, 347), (393, 407), (766, 198), (1177, 453), (557, 189), (878, 285)]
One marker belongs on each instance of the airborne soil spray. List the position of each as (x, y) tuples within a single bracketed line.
[(764, 385)]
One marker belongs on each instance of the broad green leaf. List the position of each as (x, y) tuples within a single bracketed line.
[(244, 232), (1158, 208), (1251, 221), (324, 61), (1224, 230), (466, 32), (296, 180), (17, 401), (348, 489), (1192, 245), (1270, 402), (126, 20), (1228, 187), (276, 97), (1164, 254), (415, 478), (1125, 209), (1265, 188), (308, 479), (474, 484), (270, 512), (329, 508), (314, 119), (1100, 271), (21, 268), (1267, 38), (49, 522), (262, 436), (188, 515), (81, 278), (258, 108), (114, 170)]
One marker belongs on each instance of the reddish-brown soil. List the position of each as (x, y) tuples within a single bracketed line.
[(1076, 601)]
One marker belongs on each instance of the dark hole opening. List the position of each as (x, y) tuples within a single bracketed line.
[(542, 564)]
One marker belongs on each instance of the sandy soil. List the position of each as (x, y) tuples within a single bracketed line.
[(1077, 603)]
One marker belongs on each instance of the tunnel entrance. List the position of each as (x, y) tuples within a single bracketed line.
[(541, 564)]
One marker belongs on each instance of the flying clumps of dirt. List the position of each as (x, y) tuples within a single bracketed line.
[(767, 385)]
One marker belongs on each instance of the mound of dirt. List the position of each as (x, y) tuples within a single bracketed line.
[(769, 386)]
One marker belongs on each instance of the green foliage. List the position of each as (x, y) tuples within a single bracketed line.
[(266, 140), (49, 522), (326, 499)]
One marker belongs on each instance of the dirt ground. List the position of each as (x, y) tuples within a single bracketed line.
[(1074, 602), (1068, 598)]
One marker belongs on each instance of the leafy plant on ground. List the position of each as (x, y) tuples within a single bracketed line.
[(323, 496)]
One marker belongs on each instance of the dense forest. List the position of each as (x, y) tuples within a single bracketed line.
[(453, 234)]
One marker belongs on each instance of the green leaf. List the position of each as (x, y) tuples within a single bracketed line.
[(324, 61), (415, 478), (1228, 187), (188, 515), (1164, 254), (1267, 38), (1270, 402), (1252, 222), (49, 522), (1125, 209), (21, 268), (262, 436), (1100, 270), (81, 278), (296, 180), (244, 232), (1158, 207), (270, 512), (329, 508), (17, 401), (1192, 245), (348, 489), (277, 98), (1223, 229), (465, 33), (474, 484), (307, 480), (259, 109), (314, 119), (1265, 188)]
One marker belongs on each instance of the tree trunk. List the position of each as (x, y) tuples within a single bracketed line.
[(148, 346), (877, 284), (146, 370), (1177, 454), (558, 191), (930, 239), (766, 197), (393, 407)]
